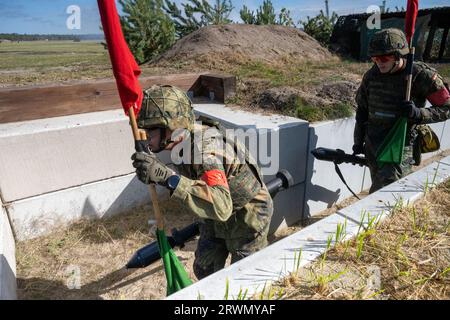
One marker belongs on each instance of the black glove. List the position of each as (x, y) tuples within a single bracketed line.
[(410, 111), (149, 169), (358, 149)]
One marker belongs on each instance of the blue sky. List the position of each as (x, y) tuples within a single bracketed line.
[(49, 16)]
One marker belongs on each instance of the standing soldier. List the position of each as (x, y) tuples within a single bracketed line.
[(218, 185), (381, 101)]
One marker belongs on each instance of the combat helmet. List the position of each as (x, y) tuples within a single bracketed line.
[(388, 41), (165, 106)]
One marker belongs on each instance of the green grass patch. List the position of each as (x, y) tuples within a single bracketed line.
[(310, 113), (48, 54)]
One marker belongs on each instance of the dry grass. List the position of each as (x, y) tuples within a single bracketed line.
[(405, 257), (99, 249)]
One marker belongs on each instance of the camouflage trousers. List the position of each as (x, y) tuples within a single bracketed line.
[(389, 172), (212, 252)]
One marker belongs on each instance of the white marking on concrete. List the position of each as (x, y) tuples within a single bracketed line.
[(277, 260)]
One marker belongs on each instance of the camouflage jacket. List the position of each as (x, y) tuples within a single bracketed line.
[(378, 98), (217, 185)]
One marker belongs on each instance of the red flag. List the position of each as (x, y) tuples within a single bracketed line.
[(410, 19), (125, 68)]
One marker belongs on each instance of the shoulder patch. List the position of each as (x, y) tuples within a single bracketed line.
[(215, 178)]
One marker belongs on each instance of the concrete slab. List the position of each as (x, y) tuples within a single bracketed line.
[(324, 188), (8, 285), (37, 216), (277, 260), (445, 138), (284, 134), (284, 141), (46, 155)]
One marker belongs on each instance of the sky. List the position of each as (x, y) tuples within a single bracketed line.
[(50, 16)]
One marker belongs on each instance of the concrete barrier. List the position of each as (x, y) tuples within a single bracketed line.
[(58, 170), (39, 215), (46, 155), (323, 186), (85, 160), (287, 140), (8, 286)]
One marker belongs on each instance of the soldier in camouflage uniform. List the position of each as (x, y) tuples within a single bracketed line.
[(381, 101), (218, 184)]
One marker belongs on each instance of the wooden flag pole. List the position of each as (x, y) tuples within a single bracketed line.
[(153, 194), (409, 76)]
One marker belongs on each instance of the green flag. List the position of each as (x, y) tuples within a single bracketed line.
[(177, 277), (391, 150)]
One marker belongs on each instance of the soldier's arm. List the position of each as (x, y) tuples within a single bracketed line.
[(437, 94), (209, 196), (362, 113)]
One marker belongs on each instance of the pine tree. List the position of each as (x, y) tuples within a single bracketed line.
[(266, 15), (148, 30), (320, 27), (197, 14)]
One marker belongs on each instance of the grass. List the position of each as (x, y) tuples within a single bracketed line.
[(42, 62), (99, 249), (407, 256)]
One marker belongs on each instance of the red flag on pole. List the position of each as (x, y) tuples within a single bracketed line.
[(410, 19), (125, 68)]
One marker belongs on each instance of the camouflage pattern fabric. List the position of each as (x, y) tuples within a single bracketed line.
[(388, 41), (166, 107), (236, 219), (378, 98)]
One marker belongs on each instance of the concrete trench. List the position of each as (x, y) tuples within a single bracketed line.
[(84, 183)]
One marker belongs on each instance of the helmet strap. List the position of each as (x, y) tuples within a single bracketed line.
[(397, 62)]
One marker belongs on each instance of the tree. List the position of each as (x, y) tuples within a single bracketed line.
[(148, 30), (247, 16), (320, 27), (197, 14), (266, 15)]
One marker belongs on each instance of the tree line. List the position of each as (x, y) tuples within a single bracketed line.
[(152, 26), (35, 37)]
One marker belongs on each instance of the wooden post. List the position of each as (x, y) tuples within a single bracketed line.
[(153, 194)]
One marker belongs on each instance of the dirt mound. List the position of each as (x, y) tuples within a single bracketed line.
[(282, 98), (246, 42), (343, 91)]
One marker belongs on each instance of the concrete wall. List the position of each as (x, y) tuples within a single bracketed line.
[(324, 188), (55, 171), (41, 156), (7, 258), (58, 170), (287, 138), (37, 216)]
